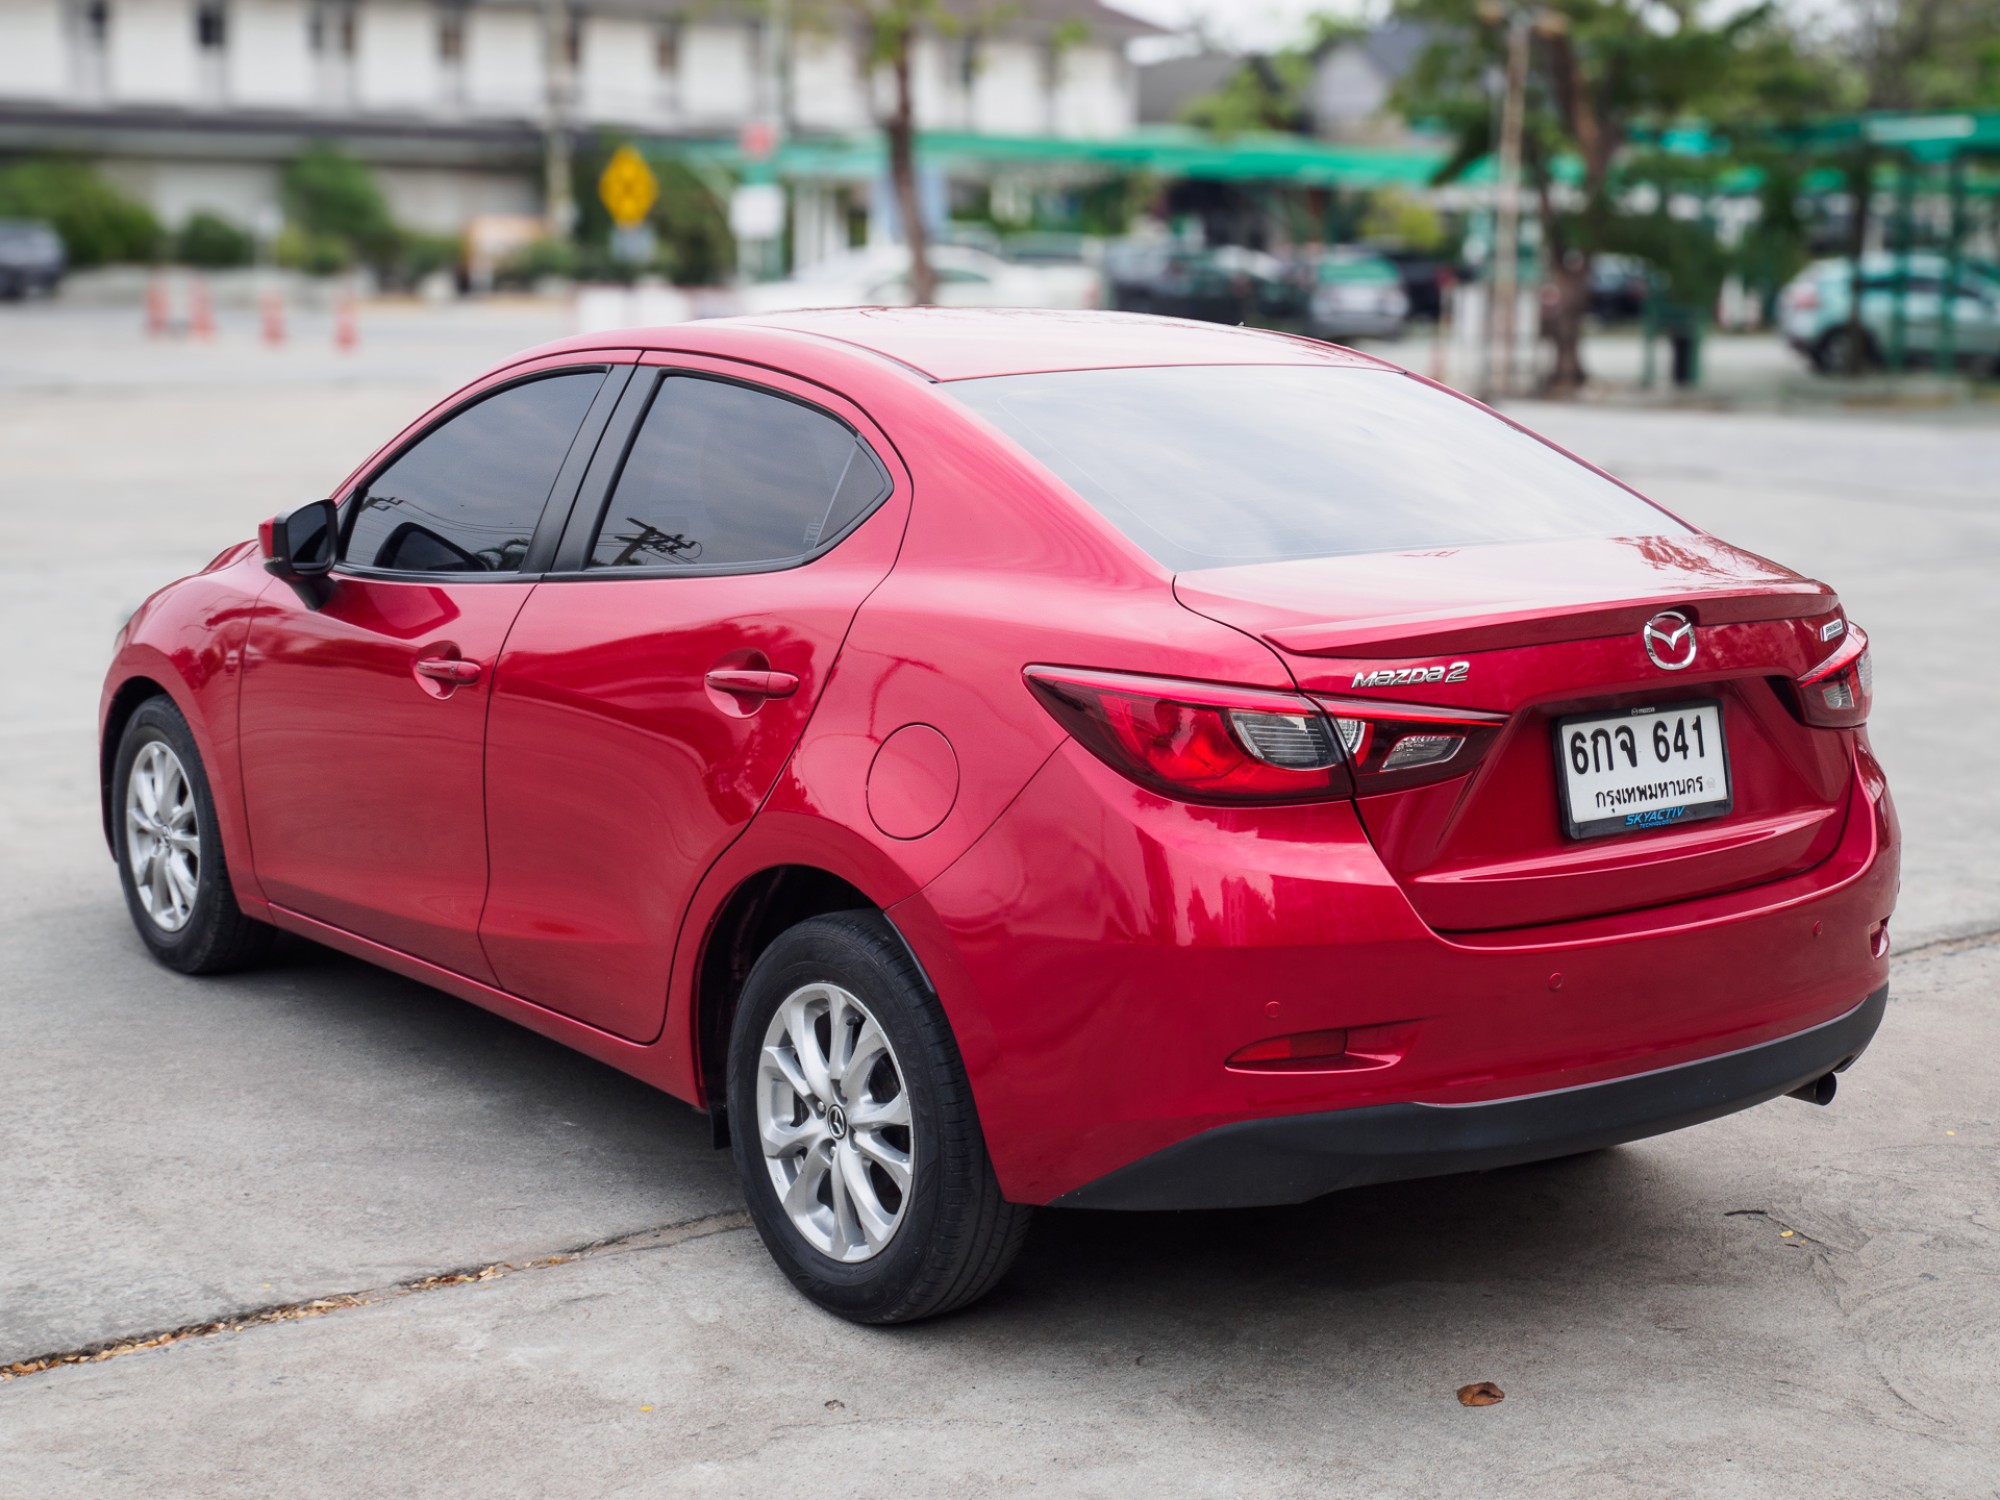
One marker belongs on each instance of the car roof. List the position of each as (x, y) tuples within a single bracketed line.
[(965, 343), (832, 345)]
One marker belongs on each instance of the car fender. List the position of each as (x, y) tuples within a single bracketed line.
[(189, 638)]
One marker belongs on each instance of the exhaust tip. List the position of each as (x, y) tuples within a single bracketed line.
[(1820, 1091)]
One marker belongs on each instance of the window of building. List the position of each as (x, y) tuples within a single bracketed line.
[(211, 22), (451, 34)]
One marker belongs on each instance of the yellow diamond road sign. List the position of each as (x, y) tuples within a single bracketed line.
[(628, 187)]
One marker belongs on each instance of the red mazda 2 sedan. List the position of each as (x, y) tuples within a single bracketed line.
[(989, 759)]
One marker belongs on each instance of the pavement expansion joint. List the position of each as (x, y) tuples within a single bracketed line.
[(659, 1238), (1944, 947)]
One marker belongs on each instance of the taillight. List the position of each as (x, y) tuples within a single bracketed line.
[(1391, 746), (1838, 693), (1804, 297), (1198, 741)]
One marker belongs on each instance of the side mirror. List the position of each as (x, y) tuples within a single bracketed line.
[(299, 548)]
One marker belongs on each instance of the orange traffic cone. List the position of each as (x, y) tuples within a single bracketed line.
[(201, 310), (156, 307), (345, 334), (274, 318)]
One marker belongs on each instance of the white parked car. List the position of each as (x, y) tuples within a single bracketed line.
[(965, 278)]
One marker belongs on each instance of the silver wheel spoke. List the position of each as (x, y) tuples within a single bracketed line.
[(869, 1143), (800, 1017), (873, 1114), (802, 1196)]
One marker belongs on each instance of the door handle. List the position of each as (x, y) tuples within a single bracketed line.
[(745, 683), (448, 669)]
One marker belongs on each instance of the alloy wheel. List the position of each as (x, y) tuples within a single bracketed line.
[(162, 836), (833, 1117)]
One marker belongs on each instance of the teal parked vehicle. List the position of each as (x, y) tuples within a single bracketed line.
[(1813, 311)]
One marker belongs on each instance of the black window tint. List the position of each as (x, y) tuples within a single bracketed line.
[(723, 476), (465, 498), (1206, 466)]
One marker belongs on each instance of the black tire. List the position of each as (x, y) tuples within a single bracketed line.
[(956, 1235), (216, 937), (1829, 355)]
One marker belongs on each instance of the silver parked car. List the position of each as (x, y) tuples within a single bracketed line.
[(1813, 310)]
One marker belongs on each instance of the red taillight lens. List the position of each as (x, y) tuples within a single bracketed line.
[(1198, 741), (1804, 297), (1838, 693), (1391, 746)]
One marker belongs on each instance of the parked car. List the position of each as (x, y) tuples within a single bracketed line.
[(1619, 287), (992, 759), (1178, 281), (31, 258), (1813, 310), (1424, 277), (966, 277), (1356, 294)]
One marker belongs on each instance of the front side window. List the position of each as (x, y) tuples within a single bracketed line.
[(1208, 466), (721, 476), (465, 498)]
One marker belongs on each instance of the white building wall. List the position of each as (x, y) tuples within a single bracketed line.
[(396, 65), (34, 54), (827, 88), (1008, 90), (1094, 95), (152, 52), (439, 200), (618, 72), (269, 57), (504, 61), (718, 72), (174, 190), (934, 87)]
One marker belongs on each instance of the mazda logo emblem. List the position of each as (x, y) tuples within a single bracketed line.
[(1669, 640)]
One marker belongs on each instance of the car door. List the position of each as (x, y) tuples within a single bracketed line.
[(655, 684), (363, 712)]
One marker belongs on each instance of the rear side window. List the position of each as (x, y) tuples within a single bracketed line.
[(721, 476), (1207, 466), (465, 497)]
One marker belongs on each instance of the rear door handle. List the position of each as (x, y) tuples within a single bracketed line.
[(745, 683), (448, 669)]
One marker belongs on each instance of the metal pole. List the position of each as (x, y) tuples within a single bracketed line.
[(1954, 257), (1507, 229), (559, 196), (1899, 313)]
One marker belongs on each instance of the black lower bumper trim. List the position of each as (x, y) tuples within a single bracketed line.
[(1295, 1157)]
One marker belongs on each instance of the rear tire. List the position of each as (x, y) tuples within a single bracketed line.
[(169, 850), (896, 1215)]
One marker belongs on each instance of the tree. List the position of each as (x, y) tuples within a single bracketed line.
[(329, 196), (1272, 91), (1597, 68), (97, 223)]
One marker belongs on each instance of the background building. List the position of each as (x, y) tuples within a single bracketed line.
[(194, 105)]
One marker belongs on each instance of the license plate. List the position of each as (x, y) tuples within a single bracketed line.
[(1643, 768)]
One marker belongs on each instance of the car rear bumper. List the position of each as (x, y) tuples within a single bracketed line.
[(1102, 952), (1292, 1158)]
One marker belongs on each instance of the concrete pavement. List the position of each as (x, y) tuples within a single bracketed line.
[(188, 1150)]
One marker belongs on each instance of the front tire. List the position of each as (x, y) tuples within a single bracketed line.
[(854, 1129), (169, 849)]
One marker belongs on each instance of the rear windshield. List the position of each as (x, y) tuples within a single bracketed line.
[(1208, 466)]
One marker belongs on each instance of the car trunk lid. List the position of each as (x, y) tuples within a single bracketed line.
[(1538, 632)]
